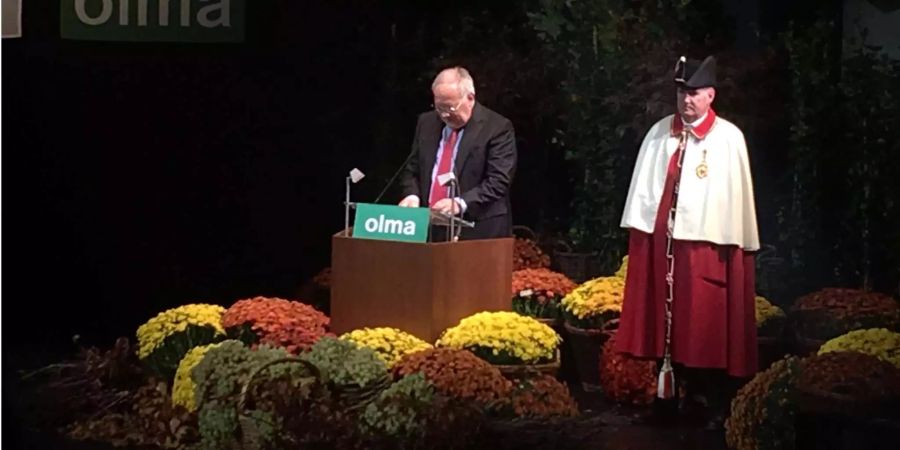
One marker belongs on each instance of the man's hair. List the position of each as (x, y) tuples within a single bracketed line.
[(456, 75)]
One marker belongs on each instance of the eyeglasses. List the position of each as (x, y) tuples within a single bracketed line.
[(446, 111)]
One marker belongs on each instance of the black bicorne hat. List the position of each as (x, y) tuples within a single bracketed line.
[(693, 74)]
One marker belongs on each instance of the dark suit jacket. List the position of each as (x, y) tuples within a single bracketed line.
[(484, 167)]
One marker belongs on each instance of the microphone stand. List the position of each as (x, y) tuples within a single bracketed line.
[(347, 207), (454, 226)]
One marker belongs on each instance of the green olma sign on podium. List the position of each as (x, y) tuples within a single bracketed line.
[(391, 223)]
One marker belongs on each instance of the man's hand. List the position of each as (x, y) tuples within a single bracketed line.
[(411, 201), (446, 206)]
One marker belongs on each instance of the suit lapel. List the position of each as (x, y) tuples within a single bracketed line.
[(430, 141), (469, 138)]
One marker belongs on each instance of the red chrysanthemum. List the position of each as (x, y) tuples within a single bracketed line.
[(527, 255), (542, 282), (276, 322), (626, 379)]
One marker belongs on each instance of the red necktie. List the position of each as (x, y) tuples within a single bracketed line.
[(439, 192)]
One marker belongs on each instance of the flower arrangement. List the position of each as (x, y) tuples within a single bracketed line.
[(625, 379), (390, 344), (542, 397), (411, 413), (165, 339), (527, 255), (342, 362), (220, 377), (458, 374), (878, 342), (275, 322), (832, 312), (762, 412), (503, 337), (183, 387), (594, 303), (769, 318), (623, 269), (537, 292), (400, 411), (305, 411), (224, 369), (864, 378)]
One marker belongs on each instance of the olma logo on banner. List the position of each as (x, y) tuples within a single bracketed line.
[(390, 223), (204, 17), (153, 20), (390, 226)]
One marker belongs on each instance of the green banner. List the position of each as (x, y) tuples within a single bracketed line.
[(153, 20), (391, 223)]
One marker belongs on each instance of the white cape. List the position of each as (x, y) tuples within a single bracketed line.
[(717, 208)]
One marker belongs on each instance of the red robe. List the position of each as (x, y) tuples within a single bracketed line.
[(713, 305)]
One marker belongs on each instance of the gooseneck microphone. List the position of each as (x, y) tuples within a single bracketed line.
[(396, 174)]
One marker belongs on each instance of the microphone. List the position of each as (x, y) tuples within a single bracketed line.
[(356, 175), (396, 174), (445, 178), (353, 177), (449, 180)]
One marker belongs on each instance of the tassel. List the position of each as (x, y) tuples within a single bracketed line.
[(665, 385)]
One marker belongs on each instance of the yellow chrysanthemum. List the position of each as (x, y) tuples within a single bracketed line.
[(595, 297), (623, 269), (390, 344), (151, 334), (766, 310), (878, 342), (518, 336), (184, 386)]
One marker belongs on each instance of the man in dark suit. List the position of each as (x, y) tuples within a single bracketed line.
[(476, 144)]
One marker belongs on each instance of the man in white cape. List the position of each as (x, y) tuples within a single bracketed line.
[(690, 294)]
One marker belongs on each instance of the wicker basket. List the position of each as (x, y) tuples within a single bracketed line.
[(579, 267), (354, 397), (587, 344), (249, 426), (524, 232), (528, 370)]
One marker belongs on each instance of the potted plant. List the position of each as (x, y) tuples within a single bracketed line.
[(881, 343), (508, 340), (626, 379), (275, 322), (591, 312), (831, 312), (165, 339), (770, 322), (764, 409), (537, 293), (527, 254), (390, 344), (460, 375)]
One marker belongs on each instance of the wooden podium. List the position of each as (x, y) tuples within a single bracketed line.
[(422, 289)]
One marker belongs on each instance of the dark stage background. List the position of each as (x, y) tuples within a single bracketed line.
[(141, 176)]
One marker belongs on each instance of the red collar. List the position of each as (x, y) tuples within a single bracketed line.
[(700, 131)]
